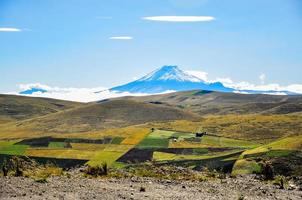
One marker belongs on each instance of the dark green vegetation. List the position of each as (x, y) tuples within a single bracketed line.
[(244, 132)]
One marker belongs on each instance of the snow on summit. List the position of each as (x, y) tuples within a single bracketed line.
[(169, 78), (170, 73)]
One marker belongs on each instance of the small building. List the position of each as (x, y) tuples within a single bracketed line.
[(200, 134)]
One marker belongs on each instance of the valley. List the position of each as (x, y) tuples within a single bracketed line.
[(131, 131)]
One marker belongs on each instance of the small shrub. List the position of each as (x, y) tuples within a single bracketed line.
[(14, 165), (41, 180), (4, 168), (280, 181), (241, 197), (95, 171), (267, 170)]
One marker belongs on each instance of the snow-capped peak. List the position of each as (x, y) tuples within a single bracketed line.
[(166, 73)]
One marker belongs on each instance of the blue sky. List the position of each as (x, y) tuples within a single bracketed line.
[(67, 43)]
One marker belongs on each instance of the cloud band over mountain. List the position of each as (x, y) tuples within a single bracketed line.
[(99, 93)]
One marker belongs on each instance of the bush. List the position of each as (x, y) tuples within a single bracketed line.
[(4, 168), (280, 181), (95, 171), (13, 165), (267, 170)]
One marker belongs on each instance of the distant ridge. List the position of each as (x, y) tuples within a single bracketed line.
[(33, 90)]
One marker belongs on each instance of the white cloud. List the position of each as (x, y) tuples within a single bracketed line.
[(9, 29), (121, 38), (199, 74), (34, 85), (73, 94), (262, 78), (99, 93), (180, 18), (243, 85)]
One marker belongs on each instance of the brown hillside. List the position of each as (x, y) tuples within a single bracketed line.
[(218, 103), (19, 107), (108, 114)]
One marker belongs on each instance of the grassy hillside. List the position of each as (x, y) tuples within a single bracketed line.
[(93, 117), (218, 103), (14, 108), (161, 128), (285, 156), (258, 128)]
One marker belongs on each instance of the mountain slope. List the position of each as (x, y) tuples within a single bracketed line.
[(284, 155), (20, 107), (207, 102), (97, 116), (169, 78)]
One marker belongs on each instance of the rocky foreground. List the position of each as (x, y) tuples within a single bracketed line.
[(246, 187)]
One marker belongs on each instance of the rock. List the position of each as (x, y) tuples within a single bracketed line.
[(291, 187), (223, 181), (142, 189)]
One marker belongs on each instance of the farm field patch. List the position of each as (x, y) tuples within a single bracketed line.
[(57, 145), (88, 146), (108, 155), (61, 153), (287, 150), (161, 156), (9, 148), (156, 145)]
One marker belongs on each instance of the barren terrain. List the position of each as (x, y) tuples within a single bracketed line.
[(246, 187)]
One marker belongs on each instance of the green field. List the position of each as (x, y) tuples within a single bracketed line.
[(57, 145), (184, 147), (119, 146), (286, 149), (227, 142), (154, 143), (117, 140), (8, 147)]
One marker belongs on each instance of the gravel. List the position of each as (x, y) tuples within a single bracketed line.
[(246, 187)]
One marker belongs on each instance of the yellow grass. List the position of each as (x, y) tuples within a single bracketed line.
[(161, 156), (259, 128), (88, 146), (112, 132), (14, 131), (109, 155), (290, 143), (61, 153), (187, 144), (244, 166), (118, 148), (136, 137)]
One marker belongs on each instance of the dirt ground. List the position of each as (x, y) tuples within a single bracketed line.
[(246, 187)]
